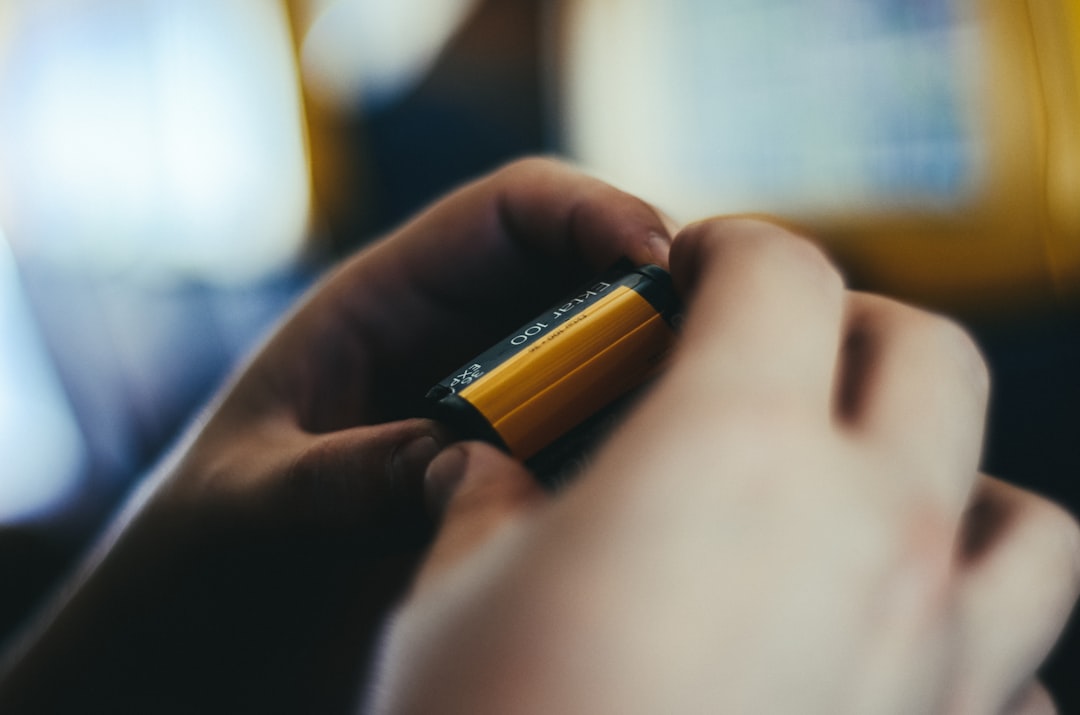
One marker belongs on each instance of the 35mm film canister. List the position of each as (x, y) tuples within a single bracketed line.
[(547, 384)]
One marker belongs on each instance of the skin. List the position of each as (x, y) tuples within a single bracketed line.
[(792, 521), (251, 572)]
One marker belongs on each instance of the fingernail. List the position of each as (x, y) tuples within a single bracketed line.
[(442, 478), (659, 246), (412, 459)]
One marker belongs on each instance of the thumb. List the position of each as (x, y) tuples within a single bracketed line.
[(362, 477), (475, 489)]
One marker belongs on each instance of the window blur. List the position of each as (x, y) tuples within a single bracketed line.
[(154, 193)]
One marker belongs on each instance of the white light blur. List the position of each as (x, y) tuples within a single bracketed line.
[(371, 51), (40, 442), (152, 138), (790, 106)]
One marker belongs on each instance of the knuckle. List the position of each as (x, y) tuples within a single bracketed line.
[(903, 540), (927, 546), (493, 497), (916, 558), (1061, 532), (212, 481), (919, 536), (902, 556), (966, 351), (743, 421), (299, 480), (759, 246), (529, 167), (949, 339), (310, 489)]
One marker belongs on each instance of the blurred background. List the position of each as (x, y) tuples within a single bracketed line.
[(173, 175)]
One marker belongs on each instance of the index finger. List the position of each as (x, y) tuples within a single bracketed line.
[(414, 305), (536, 217), (765, 314)]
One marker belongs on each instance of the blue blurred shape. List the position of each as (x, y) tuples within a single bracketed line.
[(41, 452)]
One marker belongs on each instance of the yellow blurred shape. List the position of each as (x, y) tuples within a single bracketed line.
[(932, 145)]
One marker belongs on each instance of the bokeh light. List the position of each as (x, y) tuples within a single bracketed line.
[(43, 452)]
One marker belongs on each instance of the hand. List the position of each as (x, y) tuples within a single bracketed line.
[(251, 572), (792, 521)]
